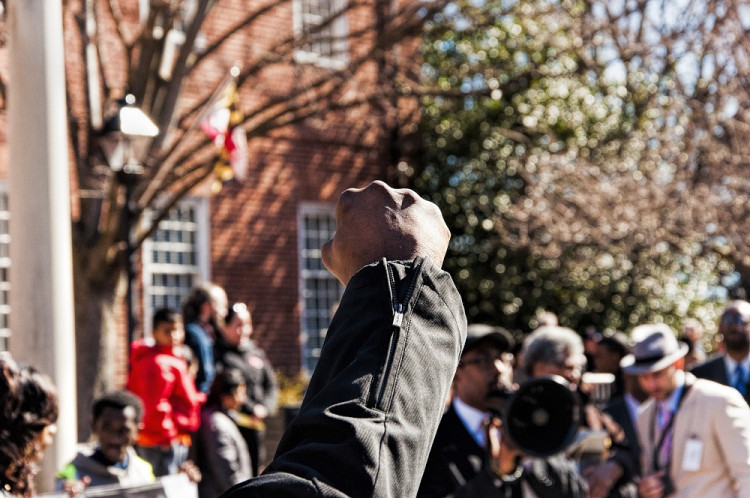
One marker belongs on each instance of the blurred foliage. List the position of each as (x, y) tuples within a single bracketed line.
[(564, 144), (291, 388)]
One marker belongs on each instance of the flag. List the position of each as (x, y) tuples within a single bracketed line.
[(223, 124)]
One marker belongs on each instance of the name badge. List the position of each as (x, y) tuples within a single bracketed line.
[(691, 460)]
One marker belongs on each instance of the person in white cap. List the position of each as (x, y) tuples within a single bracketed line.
[(694, 433)]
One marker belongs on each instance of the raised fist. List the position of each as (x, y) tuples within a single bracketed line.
[(381, 222)]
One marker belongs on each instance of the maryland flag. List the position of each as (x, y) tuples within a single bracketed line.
[(223, 124)]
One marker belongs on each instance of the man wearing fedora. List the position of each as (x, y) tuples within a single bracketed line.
[(694, 433), (733, 367)]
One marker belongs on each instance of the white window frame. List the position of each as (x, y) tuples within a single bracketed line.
[(199, 272), (5, 266), (337, 31), (311, 352)]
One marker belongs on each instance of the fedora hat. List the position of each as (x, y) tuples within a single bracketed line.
[(656, 348)]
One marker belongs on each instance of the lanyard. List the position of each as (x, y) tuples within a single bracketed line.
[(657, 449)]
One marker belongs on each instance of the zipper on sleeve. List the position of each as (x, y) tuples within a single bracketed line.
[(399, 310)]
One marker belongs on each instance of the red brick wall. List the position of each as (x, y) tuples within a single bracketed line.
[(254, 243), (254, 246)]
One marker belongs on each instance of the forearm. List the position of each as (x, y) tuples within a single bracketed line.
[(374, 402)]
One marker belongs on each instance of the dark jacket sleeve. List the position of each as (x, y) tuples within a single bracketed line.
[(376, 397)]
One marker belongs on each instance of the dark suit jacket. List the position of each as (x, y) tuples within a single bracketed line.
[(455, 458), (715, 369), (618, 410), (456, 467)]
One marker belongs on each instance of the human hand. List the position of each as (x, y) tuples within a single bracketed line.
[(651, 486), (192, 471), (74, 488), (381, 222), (260, 411), (601, 478), (503, 455)]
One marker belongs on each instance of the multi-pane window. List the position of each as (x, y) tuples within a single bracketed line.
[(4, 269), (319, 290), (175, 257), (322, 28)]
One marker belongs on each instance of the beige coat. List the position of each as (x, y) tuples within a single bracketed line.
[(719, 418)]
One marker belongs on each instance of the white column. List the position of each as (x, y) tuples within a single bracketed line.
[(41, 275)]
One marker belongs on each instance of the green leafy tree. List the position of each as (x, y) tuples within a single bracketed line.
[(565, 146)]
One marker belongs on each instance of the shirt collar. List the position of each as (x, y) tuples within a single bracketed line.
[(731, 365), (472, 418), (674, 398), (634, 406)]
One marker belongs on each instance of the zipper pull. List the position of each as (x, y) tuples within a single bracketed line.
[(398, 314)]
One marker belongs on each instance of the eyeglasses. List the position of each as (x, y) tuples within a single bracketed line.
[(734, 319), (486, 362)]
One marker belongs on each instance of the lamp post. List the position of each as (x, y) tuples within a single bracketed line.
[(121, 135)]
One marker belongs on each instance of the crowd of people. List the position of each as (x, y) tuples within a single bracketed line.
[(407, 400), (197, 396)]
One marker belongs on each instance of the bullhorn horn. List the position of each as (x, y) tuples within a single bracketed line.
[(542, 417)]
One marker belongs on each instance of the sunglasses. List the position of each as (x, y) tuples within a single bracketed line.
[(734, 319)]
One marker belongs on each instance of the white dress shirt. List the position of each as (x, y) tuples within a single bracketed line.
[(473, 420)]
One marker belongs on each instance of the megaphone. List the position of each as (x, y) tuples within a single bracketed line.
[(541, 418)]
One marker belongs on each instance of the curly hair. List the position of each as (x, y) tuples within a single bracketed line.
[(28, 404)]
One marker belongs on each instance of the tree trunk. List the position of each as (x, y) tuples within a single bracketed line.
[(99, 294)]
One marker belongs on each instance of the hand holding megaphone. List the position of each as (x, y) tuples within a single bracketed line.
[(504, 456)]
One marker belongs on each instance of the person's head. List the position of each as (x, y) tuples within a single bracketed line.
[(545, 319), (692, 329), (610, 349), (207, 303), (239, 324), (227, 390), (734, 327), (28, 412), (116, 422), (167, 328), (655, 359), (486, 363), (691, 357), (554, 351)]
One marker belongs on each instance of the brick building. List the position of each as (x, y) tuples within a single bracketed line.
[(260, 239)]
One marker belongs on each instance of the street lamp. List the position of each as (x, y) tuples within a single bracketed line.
[(124, 133)]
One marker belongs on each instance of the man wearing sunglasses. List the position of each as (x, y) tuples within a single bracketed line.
[(733, 367)]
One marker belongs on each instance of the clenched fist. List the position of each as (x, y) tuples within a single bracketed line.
[(381, 222)]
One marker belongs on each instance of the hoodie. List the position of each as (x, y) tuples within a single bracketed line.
[(171, 403)]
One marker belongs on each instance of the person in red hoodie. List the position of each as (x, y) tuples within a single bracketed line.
[(172, 404)]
